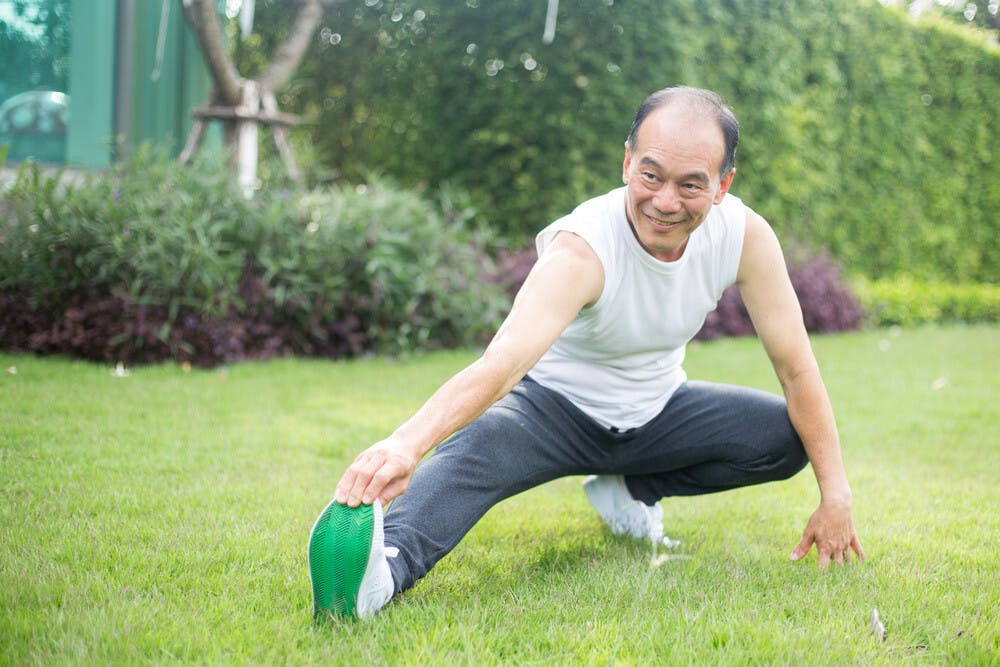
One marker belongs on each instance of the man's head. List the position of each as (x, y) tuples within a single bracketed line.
[(678, 164), (698, 101)]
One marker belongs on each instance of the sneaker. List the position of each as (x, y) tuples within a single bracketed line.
[(348, 569), (623, 514)]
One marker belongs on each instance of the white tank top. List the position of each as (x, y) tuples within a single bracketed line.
[(621, 359)]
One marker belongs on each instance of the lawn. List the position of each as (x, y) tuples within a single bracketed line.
[(162, 515)]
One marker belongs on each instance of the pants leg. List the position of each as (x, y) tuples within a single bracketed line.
[(708, 438), (713, 437), (529, 437)]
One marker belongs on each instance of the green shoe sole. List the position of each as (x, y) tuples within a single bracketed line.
[(339, 546)]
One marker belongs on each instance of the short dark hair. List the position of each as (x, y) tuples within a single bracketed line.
[(697, 99)]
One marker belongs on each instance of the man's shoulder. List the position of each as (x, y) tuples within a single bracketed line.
[(601, 207), (592, 219), (731, 206)]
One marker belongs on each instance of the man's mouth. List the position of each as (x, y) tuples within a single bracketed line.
[(661, 224)]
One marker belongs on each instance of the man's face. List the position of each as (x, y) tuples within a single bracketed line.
[(673, 179)]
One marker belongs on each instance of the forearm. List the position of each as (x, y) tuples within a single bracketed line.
[(459, 401), (812, 417)]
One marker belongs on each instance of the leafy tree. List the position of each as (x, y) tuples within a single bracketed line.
[(980, 13)]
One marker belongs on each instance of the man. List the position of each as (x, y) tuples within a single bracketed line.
[(584, 377)]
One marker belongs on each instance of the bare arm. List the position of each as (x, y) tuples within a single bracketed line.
[(567, 277), (767, 292)]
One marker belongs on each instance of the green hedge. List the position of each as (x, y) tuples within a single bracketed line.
[(864, 133), (905, 301), (156, 260)]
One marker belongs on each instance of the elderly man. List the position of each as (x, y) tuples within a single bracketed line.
[(585, 377)]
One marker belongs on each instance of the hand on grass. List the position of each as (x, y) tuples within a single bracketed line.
[(831, 529), (382, 471)]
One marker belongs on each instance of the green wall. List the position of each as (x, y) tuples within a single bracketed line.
[(116, 101), (90, 137)]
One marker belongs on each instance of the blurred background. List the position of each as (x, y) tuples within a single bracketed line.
[(868, 141)]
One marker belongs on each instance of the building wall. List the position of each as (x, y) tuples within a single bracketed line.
[(131, 70)]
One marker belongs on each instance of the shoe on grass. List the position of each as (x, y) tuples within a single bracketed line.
[(623, 514), (347, 563)]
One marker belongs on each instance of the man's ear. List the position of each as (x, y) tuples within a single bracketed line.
[(626, 163), (724, 186)]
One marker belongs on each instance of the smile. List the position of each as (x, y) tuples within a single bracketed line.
[(661, 224)]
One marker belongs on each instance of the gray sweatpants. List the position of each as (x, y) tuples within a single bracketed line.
[(709, 437)]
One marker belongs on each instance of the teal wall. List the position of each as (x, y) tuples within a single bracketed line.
[(115, 101), (90, 137), (161, 109)]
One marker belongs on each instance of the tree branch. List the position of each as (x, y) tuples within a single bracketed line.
[(201, 16), (288, 56)]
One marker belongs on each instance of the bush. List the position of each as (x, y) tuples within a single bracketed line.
[(828, 305), (905, 301), (155, 260), (150, 233), (862, 130), (382, 264)]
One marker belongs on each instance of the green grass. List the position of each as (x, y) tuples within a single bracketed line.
[(163, 517)]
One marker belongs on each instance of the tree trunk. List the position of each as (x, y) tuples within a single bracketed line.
[(250, 102)]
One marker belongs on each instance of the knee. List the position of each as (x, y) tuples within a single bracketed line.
[(790, 454)]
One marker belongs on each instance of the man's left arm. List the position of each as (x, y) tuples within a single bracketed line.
[(767, 292)]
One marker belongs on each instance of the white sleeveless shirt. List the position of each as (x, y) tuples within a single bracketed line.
[(621, 359)]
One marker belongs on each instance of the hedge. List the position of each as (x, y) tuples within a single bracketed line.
[(905, 301), (157, 261), (864, 133)]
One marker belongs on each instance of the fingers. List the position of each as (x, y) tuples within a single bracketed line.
[(393, 489), (803, 547), (834, 553), (375, 474), (827, 552), (353, 487), (858, 549)]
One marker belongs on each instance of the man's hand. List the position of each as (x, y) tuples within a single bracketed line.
[(831, 529), (382, 471)]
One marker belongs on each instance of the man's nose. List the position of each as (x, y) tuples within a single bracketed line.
[(666, 198)]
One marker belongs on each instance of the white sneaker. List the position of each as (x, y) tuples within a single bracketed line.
[(623, 514), (376, 587), (347, 562)]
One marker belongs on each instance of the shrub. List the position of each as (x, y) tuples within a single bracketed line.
[(862, 130), (827, 303), (154, 260), (383, 264), (513, 268), (905, 301), (151, 232)]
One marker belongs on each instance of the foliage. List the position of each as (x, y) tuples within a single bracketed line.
[(827, 302), (906, 301), (385, 258), (984, 14), (155, 260), (864, 132), (215, 477)]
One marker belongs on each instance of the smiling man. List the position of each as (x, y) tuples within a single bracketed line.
[(585, 377)]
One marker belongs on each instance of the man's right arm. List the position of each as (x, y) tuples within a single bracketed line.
[(567, 277)]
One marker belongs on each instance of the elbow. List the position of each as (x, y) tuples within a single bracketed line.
[(793, 374)]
